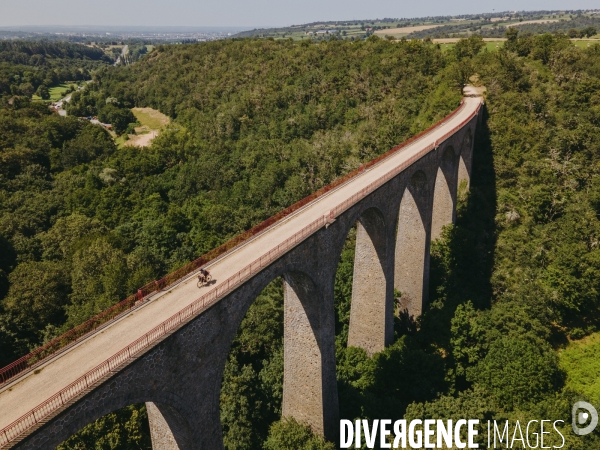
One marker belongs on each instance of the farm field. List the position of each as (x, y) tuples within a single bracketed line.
[(344, 30), (404, 30), (526, 22), (489, 25)]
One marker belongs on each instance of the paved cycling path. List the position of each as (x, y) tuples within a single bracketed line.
[(30, 390)]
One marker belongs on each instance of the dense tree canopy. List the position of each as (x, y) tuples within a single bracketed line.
[(28, 67)]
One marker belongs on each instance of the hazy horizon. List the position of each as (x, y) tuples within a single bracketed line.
[(245, 14), (115, 28)]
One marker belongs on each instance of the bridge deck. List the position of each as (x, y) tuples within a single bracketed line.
[(28, 391)]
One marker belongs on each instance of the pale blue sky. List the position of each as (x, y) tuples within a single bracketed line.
[(252, 13)]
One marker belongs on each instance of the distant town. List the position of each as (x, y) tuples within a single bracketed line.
[(87, 34)]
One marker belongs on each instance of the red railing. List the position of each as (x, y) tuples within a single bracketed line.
[(97, 374)]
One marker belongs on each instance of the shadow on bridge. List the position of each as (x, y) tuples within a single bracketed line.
[(412, 369), (462, 260)]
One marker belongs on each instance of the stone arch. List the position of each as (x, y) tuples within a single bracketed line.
[(85, 412), (466, 156), (309, 378), (371, 302), (444, 193), (411, 268)]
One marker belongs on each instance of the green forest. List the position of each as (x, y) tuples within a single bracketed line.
[(28, 67), (259, 124)]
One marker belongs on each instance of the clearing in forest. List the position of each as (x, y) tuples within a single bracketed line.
[(585, 43), (56, 92), (151, 122), (150, 118)]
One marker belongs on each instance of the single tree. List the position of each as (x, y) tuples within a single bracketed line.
[(43, 92)]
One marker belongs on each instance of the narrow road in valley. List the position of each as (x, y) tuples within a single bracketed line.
[(33, 388)]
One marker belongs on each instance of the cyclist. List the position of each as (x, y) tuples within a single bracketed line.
[(203, 275)]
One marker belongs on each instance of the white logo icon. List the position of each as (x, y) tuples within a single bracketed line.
[(579, 418)]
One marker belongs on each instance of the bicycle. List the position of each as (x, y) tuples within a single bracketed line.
[(203, 280)]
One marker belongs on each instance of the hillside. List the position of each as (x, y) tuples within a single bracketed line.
[(488, 25), (28, 67), (258, 124)]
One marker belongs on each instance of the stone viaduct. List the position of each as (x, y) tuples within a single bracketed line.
[(179, 375)]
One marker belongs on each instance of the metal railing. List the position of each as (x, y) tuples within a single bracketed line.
[(115, 362)]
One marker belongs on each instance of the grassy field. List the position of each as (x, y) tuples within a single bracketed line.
[(150, 118), (581, 363), (56, 92), (525, 22), (403, 31), (586, 43), (119, 141), (151, 121)]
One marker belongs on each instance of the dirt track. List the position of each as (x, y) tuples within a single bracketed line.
[(141, 140)]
